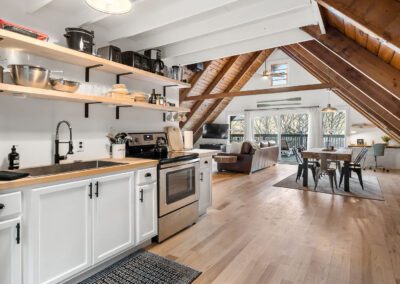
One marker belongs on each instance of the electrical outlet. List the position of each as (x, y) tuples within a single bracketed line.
[(80, 147)]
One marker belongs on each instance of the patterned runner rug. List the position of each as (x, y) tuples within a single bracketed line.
[(144, 267)]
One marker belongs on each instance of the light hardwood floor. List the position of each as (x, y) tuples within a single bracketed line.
[(257, 233)]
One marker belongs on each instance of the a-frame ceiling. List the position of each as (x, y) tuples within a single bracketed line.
[(359, 56)]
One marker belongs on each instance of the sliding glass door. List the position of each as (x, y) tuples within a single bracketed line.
[(288, 130)]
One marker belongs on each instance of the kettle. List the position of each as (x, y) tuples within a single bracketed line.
[(161, 147), (157, 66)]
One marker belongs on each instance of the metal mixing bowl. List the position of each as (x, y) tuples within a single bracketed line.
[(29, 76), (64, 85)]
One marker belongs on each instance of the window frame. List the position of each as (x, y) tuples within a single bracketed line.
[(287, 73)]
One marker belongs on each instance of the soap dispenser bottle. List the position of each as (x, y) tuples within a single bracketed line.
[(13, 159)]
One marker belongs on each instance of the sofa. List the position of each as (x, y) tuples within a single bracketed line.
[(251, 157)]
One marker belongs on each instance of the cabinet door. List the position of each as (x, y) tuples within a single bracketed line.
[(205, 198), (60, 238), (112, 215), (146, 212), (10, 251)]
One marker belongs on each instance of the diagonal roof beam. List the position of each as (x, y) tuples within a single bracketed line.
[(184, 93), (237, 83), (232, 60), (375, 68)]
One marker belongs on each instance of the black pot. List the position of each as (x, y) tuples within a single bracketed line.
[(80, 39)]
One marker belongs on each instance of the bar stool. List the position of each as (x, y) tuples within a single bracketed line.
[(379, 151)]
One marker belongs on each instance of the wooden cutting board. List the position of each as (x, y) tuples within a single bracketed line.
[(175, 139)]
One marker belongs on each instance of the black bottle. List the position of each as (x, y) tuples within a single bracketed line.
[(13, 159), (153, 97)]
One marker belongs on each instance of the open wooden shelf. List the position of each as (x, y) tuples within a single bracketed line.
[(53, 51), (12, 90)]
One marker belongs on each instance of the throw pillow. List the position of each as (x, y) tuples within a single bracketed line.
[(236, 147), (249, 147), (264, 144)]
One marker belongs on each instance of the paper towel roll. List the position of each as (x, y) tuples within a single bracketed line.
[(188, 140)]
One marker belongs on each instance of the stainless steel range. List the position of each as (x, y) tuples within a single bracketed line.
[(178, 181)]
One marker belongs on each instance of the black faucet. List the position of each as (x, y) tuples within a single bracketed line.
[(57, 157)]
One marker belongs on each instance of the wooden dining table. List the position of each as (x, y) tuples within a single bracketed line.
[(341, 154)]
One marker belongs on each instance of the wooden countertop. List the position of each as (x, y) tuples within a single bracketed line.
[(202, 152), (130, 164)]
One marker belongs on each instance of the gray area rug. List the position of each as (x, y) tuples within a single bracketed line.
[(144, 267), (372, 189)]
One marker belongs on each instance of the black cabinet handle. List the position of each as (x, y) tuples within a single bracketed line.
[(2, 206), (141, 195), (147, 175), (206, 162), (18, 238), (91, 190), (97, 189)]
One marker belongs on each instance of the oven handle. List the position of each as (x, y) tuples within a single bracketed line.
[(177, 164)]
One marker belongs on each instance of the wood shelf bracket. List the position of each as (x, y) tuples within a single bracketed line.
[(87, 108), (87, 71), (122, 74), (117, 111)]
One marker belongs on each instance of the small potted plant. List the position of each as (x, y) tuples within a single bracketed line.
[(386, 139), (118, 143)]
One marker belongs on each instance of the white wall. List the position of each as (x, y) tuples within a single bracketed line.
[(31, 123), (298, 76)]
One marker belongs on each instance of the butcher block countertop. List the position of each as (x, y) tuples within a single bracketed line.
[(129, 164), (202, 152)]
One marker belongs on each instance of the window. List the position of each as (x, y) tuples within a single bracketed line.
[(279, 74), (236, 128), (334, 128), (266, 128)]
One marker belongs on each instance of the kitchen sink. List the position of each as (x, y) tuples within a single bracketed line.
[(65, 168)]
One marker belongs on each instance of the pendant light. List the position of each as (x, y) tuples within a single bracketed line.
[(115, 7), (329, 108)]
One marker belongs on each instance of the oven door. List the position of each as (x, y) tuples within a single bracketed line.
[(179, 185)]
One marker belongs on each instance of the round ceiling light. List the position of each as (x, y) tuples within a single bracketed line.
[(115, 7)]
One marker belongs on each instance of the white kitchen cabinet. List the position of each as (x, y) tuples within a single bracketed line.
[(112, 215), (146, 212), (10, 251), (60, 238), (205, 196)]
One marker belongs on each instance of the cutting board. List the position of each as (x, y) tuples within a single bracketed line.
[(175, 139)]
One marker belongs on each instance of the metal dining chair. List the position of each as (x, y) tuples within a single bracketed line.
[(311, 164), (326, 167), (356, 166)]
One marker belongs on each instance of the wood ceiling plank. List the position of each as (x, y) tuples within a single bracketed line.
[(220, 75), (379, 17)]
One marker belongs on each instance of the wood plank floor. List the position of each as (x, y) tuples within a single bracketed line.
[(257, 233)]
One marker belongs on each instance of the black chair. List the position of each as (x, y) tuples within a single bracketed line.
[(326, 167), (356, 167), (312, 165)]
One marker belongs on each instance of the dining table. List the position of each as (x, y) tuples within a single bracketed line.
[(340, 154)]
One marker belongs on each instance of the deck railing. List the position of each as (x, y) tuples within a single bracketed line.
[(293, 140)]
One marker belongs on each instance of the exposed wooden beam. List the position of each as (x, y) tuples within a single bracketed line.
[(211, 87), (193, 82), (348, 92), (261, 92), (356, 78), (375, 68), (230, 87), (379, 19)]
